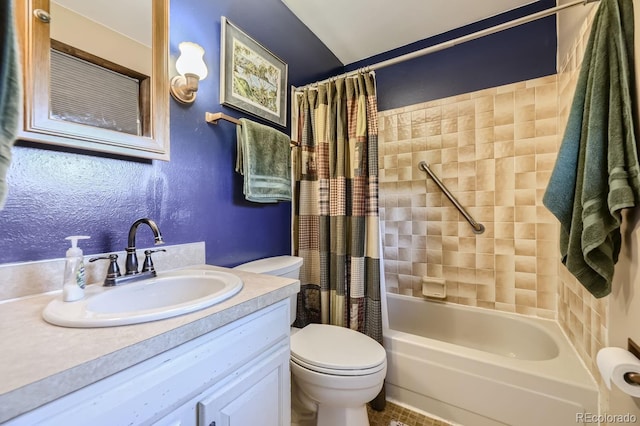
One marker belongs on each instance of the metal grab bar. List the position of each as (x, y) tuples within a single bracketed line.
[(478, 228)]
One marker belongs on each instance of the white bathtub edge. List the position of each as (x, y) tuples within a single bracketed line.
[(451, 381)]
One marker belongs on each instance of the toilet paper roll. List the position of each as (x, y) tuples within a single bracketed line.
[(613, 364)]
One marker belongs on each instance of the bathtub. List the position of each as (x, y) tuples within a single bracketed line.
[(479, 367)]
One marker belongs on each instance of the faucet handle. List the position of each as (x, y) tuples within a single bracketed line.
[(147, 266), (114, 270)]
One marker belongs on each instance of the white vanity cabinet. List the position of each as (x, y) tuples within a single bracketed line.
[(237, 374)]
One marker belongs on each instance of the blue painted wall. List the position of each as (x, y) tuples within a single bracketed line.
[(197, 196), (520, 53)]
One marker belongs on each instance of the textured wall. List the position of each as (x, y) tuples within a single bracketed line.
[(196, 196), (494, 150)]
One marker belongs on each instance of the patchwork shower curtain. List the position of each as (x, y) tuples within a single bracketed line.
[(336, 205)]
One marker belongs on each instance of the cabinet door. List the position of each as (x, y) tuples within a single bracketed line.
[(183, 416), (258, 395), (151, 390)]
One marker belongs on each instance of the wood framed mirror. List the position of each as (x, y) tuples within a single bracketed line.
[(96, 77)]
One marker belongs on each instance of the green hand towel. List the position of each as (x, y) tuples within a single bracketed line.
[(263, 158), (596, 174), (10, 92)]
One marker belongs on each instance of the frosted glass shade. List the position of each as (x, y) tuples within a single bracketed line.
[(190, 60)]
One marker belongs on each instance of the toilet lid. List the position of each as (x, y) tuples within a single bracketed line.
[(328, 347), (278, 265)]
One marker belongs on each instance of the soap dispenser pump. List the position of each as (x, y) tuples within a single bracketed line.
[(74, 274)]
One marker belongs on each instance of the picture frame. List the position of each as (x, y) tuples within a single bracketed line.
[(252, 79)]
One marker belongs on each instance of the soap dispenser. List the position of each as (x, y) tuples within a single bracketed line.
[(74, 274)]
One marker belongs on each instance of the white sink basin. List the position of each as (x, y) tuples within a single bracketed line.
[(167, 295)]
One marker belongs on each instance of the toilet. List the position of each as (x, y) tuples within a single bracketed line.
[(335, 371)]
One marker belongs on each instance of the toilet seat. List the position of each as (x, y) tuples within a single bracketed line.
[(335, 372), (336, 351)]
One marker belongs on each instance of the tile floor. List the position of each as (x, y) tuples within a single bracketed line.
[(403, 415)]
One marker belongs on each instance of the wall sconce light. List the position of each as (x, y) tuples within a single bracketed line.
[(192, 69)]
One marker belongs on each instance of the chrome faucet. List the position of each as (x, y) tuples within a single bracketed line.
[(131, 265)]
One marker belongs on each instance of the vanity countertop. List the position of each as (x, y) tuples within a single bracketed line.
[(40, 362)]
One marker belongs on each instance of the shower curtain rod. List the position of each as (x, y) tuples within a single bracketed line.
[(454, 42)]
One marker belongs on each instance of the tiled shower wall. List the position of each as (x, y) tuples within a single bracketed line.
[(494, 149), (583, 317)]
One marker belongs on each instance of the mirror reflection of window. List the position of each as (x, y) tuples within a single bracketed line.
[(86, 92), (100, 64)]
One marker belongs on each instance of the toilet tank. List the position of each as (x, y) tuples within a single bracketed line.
[(282, 266)]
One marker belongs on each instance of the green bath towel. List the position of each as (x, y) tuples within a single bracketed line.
[(596, 174), (264, 159), (10, 92)]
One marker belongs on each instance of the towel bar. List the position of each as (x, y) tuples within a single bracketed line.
[(214, 117), (478, 228)]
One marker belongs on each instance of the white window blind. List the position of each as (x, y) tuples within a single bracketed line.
[(86, 93)]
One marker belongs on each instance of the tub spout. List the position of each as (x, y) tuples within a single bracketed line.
[(132, 258)]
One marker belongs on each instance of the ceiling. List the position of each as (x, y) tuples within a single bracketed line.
[(130, 18), (377, 26)]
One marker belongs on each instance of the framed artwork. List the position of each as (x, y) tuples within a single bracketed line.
[(252, 79)]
